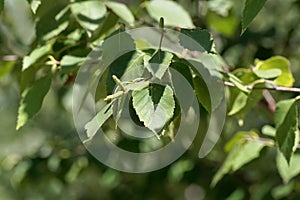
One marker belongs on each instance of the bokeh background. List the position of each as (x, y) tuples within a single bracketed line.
[(46, 159)]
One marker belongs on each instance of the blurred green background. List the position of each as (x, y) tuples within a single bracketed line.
[(46, 159)]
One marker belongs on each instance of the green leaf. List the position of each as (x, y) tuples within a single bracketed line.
[(245, 102), (280, 63), (236, 81), (122, 11), (243, 150), (35, 5), (69, 60), (202, 37), (251, 9), (32, 99), (167, 9), (89, 13), (268, 130), (288, 170), (239, 103), (159, 63), (267, 74), (35, 55), (154, 118), (202, 92), (95, 124), (286, 122)]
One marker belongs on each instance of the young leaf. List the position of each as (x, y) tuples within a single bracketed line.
[(166, 9), (159, 63), (279, 63), (288, 170), (202, 37), (95, 124), (286, 122), (267, 74), (251, 9), (154, 119), (32, 99), (122, 11), (243, 150)]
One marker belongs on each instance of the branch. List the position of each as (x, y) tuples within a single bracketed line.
[(274, 87)]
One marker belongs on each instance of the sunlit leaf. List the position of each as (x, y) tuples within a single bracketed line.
[(166, 9), (122, 11), (35, 5), (267, 74), (32, 99), (89, 13), (288, 170), (68, 60), (279, 63), (35, 55)]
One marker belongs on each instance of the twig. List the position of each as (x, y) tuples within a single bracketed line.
[(274, 87)]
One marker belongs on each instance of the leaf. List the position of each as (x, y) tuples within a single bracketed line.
[(251, 9), (268, 130), (286, 123), (68, 60), (239, 103), (243, 150), (35, 55), (32, 99), (159, 63), (137, 85), (280, 63), (154, 119), (202, 92), (245, 102), (288, 170), (95, 124), (237, 82), (52, 19), (267, 74), (201, 36), (89, 13), (167, 9), (35, 5), (122, 11)]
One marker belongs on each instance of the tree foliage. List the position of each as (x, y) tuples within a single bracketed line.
[(255, 48)]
